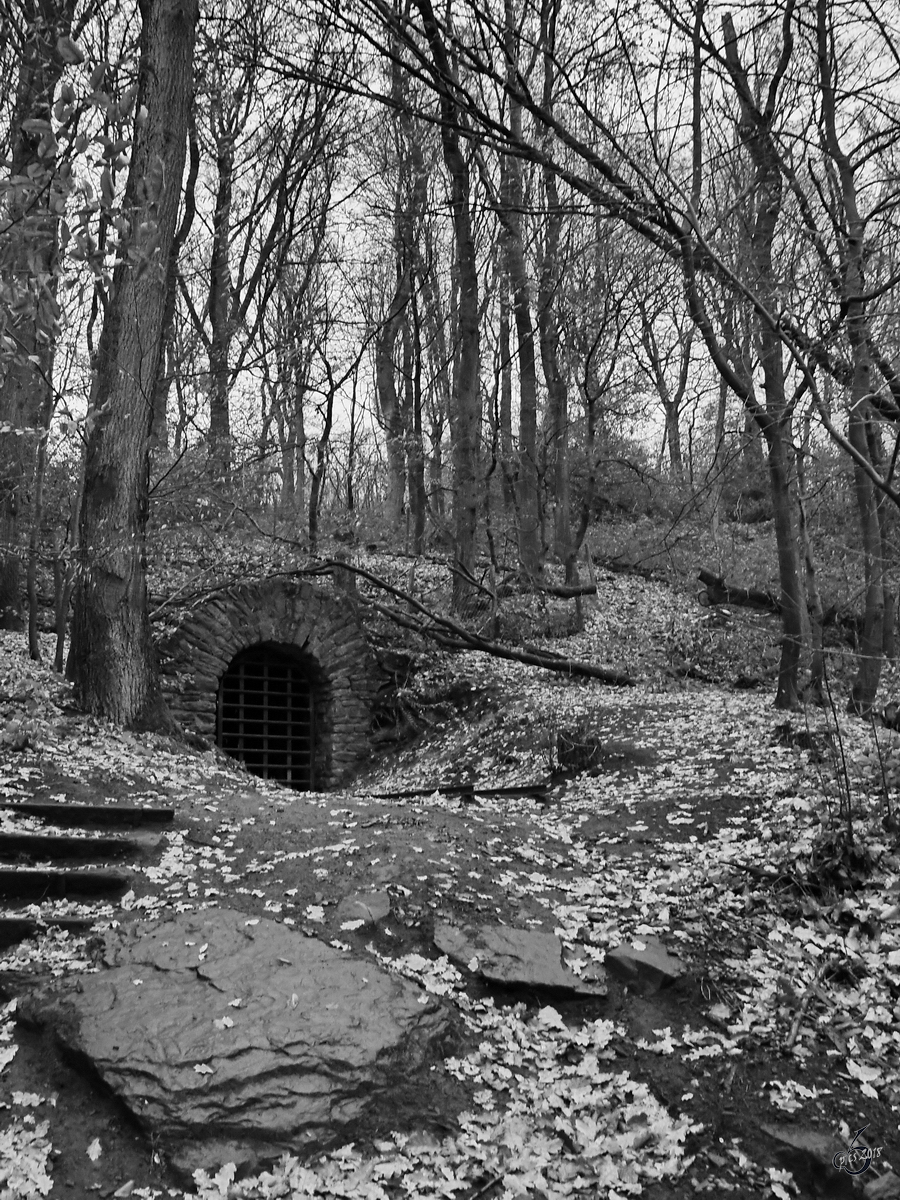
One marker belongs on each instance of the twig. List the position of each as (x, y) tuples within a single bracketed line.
[(486, 1187), (804, 1005), (759, 872)]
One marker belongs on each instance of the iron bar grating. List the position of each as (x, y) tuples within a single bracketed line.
[(266, 716)]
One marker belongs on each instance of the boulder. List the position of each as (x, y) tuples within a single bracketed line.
[(234, 1039), (517, 958)]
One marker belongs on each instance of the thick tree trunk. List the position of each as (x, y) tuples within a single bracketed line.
[(112, 661), (28, 253)]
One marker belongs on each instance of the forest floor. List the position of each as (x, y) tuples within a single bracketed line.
[(704, 817)]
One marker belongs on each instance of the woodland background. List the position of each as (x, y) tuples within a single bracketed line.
[(522, 283)]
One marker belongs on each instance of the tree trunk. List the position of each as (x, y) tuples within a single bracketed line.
[(504, 416), (111, 660), (159, 429), (466, 401), (784, 506), (871, 644), (548, 325), (853, 286), (717, 471), (389, 408), (28, 256), (512, 201), (775, 420), (317, 476), (416, 456), (813, 595), (220, 306)]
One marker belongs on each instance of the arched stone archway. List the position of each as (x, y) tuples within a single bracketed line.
[(293, 620)]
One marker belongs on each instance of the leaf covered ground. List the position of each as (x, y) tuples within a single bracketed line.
[(698, 815)]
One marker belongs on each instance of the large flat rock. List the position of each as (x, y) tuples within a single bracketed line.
[(517, 958), (233, 1040)]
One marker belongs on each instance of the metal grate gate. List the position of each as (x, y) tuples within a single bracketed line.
[(266, 716)]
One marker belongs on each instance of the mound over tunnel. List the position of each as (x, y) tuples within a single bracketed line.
[(280, 676)]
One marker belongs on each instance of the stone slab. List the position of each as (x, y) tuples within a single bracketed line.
[(233, 1039), (516, 958)]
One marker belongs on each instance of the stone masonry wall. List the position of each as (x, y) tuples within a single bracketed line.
[(323, 626)]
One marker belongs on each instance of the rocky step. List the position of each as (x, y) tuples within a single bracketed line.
[(40, 846), (91, 814), (17, 929), (39, 882)]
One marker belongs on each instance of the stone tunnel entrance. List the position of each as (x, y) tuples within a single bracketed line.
[(267, 714), (280, 676)]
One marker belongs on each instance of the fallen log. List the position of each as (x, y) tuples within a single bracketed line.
[(720, 592), (450, 635), (471, 641)]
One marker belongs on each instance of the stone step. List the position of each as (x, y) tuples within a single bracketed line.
[(40, 846), (41, 882), (17, 929), (91, 814)]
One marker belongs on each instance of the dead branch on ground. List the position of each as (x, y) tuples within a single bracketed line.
[(450, 635)]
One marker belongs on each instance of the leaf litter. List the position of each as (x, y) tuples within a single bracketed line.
[(627, 851)]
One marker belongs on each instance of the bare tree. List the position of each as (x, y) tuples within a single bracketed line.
[(111, 659), (466, 403), (35, 200)]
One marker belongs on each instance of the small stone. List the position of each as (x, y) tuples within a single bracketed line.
[(645, 964), (369, 907)]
